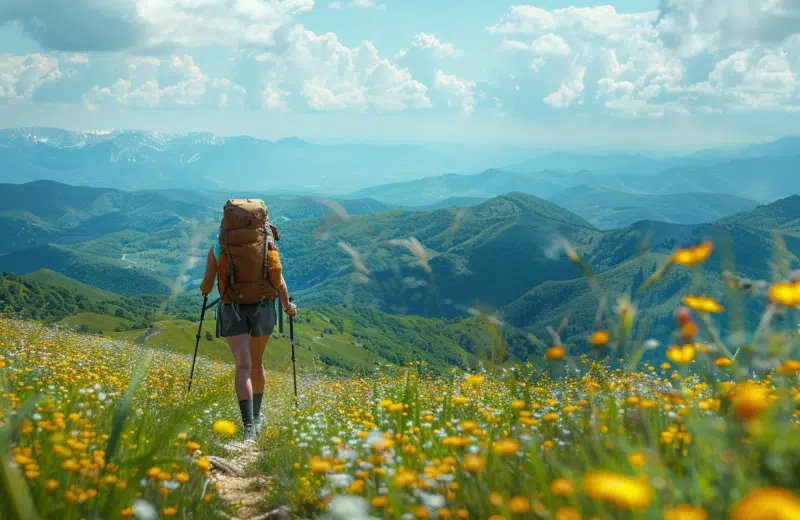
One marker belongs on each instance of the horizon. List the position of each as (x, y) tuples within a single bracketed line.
[(624, 74), (651, 152)]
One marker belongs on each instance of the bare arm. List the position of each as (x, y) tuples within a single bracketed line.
[(283, 294)]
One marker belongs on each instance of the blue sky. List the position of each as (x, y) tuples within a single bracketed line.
[(674, 73)]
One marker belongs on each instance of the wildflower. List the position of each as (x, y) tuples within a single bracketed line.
[(224, 427), (723, 362), (52, 485), (621, 490), (203, 464), (637, 458), (693, 255), (567, 513), (600, 338), (519, 505), (561, 486), (474, 463), (421, 512), (769, 503), (749, 400), (506, 446), (702, 304), (681, 355), (169, 511), (475, 380), (685, 512), (785, 293), (789, 366), (555, 353), (319, 465), (182, 478)]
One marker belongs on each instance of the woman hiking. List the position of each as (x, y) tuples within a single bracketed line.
[(247, 267)]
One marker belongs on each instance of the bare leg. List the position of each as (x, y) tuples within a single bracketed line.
[(241, 356), (258, 344)]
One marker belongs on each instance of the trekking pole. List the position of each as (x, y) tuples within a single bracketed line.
[(197, 345), (291, 339)]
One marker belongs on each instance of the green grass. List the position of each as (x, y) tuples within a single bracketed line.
[(50, 277), (94, 322)]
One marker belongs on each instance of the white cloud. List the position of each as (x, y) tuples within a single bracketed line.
[(671, 61), (569, 90), (21, 76), (335, 5), (319, 72), (155, 25), (697, 26), (371, 4), (177, 82), (459, 92)]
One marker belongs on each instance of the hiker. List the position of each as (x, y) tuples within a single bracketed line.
[(246, 264)]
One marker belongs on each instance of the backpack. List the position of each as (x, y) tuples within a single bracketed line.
[(245, 237)]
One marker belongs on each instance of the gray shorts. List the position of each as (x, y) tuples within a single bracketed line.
[(256, 319)]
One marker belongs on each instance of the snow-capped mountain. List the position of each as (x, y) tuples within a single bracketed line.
[(136, 159)]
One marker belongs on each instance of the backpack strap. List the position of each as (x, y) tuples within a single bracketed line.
[(223, 241)]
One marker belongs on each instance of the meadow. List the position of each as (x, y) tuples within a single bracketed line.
[(705, 427)]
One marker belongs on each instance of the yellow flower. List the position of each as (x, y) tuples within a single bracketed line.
[(749, 400), (600, 338), (405, 477), (182, 478), (789, 366), (693, 255), (637, 458), (127, 512), (170, 511), (224, 427), (621, 490), (681, 355), (506, 446), (567, 513), (562, 487), (203, 464), (557, 352), (475, 380), (319, 465), (769, 503), (785, 293), (723, 362), (380, 501), (519, 505), (52, 484), (474, 463), (685, 512), (702, 304)]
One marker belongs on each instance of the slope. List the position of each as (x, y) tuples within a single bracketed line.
[(747, 243), (608, 209), (110, 275), (489, 253)]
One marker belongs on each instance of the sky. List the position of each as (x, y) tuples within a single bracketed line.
[(653, 73)]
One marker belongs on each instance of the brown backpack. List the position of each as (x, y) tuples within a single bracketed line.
[(245, 237)]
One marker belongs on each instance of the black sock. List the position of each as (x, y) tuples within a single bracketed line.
[(257, 398), (246, 408)]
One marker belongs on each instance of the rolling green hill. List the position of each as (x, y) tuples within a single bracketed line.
[(104, 273), (608, 209), (346, 337), (48, 277), (465, 256)]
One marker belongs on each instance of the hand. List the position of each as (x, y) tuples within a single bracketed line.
[(291, 310)]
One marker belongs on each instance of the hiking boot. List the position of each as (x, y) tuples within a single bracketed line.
[(261, 421), (249, 432)]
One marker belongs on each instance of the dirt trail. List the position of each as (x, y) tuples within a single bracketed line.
[(242, 487)]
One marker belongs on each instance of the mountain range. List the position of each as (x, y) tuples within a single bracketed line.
[(502, 256), (141, 160)]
